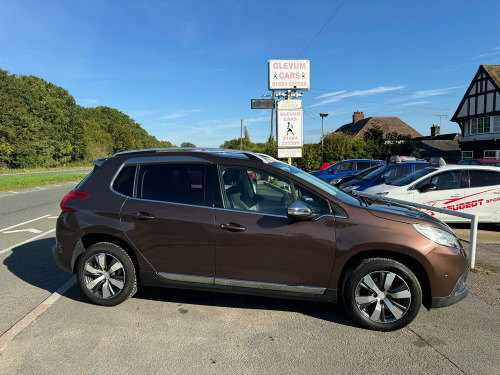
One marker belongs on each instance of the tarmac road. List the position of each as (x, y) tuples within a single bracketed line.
[(174, 331)]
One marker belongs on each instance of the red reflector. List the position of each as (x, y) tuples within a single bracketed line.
[(72, 194)]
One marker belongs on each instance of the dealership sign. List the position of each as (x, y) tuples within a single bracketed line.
[(289, 75), (289, 135)]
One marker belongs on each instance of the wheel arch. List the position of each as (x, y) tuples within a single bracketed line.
[(88, 240), (414, 265)]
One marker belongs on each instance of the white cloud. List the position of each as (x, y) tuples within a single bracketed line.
[(434, 92), (331, 94), (178, 114), (339, 96), (415, 103)]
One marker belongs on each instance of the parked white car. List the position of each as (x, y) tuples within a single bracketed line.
[(463, 188)]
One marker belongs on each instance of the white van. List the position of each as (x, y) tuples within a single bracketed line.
[(464, 188)]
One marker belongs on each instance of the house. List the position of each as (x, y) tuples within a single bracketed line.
[(388, 124), (478, 115), (446, 146)]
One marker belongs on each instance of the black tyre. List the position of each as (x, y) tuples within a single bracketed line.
[(381, 294), (106, 274)]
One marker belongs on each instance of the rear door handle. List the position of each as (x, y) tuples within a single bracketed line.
[(233, 227), (455, 195), (142, 216)]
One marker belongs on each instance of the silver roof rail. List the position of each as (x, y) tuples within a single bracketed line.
[(251, 155)]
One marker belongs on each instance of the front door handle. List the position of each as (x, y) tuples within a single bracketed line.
[(456, 195), (141, 215), (233, 227)]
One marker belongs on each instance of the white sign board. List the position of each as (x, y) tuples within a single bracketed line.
[(289, 75), (289, 132), (289, 152), (290, 104)]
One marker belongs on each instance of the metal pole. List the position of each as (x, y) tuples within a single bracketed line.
[(241, 135), (472, 242), (272, 117), (322, 149)]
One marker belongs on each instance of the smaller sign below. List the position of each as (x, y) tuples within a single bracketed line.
[(290, 152), (290, 104), (262, 104)]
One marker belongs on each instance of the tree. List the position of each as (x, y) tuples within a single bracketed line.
[(337, 146), (187, 144)]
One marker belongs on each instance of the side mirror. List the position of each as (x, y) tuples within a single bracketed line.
[(331, 171), (298, 211), (382, 180), (427, 187)]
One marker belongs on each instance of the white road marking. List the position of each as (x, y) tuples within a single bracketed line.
[(35, 313), (25, 242), (14, 192), (31, 230), (52, 217), (26, 222)]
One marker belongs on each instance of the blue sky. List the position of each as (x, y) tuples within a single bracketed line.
[(186, 70)]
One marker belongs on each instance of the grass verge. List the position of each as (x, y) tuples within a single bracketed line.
[(65, 167), (8, 183)]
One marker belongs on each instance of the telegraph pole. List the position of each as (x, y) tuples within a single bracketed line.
[(272, 117), (323, 115), (241, 135)]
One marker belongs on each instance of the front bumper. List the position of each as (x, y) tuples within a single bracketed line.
[(460, 291), (61, 262)]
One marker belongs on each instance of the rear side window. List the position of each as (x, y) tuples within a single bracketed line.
[(420, 166), (124, 182), (484, 178), (397, 172), (362, 165), (175, 183)]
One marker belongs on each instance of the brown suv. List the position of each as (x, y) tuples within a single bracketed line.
[(242, 222)]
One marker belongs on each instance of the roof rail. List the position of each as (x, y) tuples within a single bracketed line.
[(251, 155)]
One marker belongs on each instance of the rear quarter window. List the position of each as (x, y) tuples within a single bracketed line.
[(124, 182)]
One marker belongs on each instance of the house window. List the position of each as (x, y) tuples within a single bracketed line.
[(479, 125), (496, 124), (467, 155), (490, 154)]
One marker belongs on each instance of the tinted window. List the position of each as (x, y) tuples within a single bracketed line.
[(248, 189), (484, 178), (124, 182), (361, 165), (317, 204), (346, 166), (419, 167), (444, 181), (397, 172), (413, 177), (177, 183)]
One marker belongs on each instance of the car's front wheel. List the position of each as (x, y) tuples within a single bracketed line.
[(381, 294), (106, 274)]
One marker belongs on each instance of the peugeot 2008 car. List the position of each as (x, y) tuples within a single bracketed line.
[(195, 219)]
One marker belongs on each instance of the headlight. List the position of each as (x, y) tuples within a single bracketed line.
[(351, 188), (384, 193), (438, 236)]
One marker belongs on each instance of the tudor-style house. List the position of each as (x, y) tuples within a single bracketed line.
[(478, 115)]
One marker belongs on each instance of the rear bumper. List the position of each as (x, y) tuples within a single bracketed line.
[(61, 262), (460, 291)]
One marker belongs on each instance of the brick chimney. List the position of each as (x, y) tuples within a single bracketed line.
[(435, 130), (357, 116)]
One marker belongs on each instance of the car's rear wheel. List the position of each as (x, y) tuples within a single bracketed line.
[(106, 274), (381, 294)]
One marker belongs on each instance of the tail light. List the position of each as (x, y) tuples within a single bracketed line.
[(70, 195)]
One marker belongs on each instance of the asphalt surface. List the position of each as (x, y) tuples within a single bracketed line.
[(174, 331)]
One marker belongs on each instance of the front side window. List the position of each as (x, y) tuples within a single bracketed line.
[(444, 181), (175, 183), (362, 165), (317, 204), (247, 189), (483, 178)]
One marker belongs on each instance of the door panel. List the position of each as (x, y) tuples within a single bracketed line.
[(273, 249)]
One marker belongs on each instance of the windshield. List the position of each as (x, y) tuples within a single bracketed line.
[(344, 197), (492, 163), (412, 177), (376, 172)]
